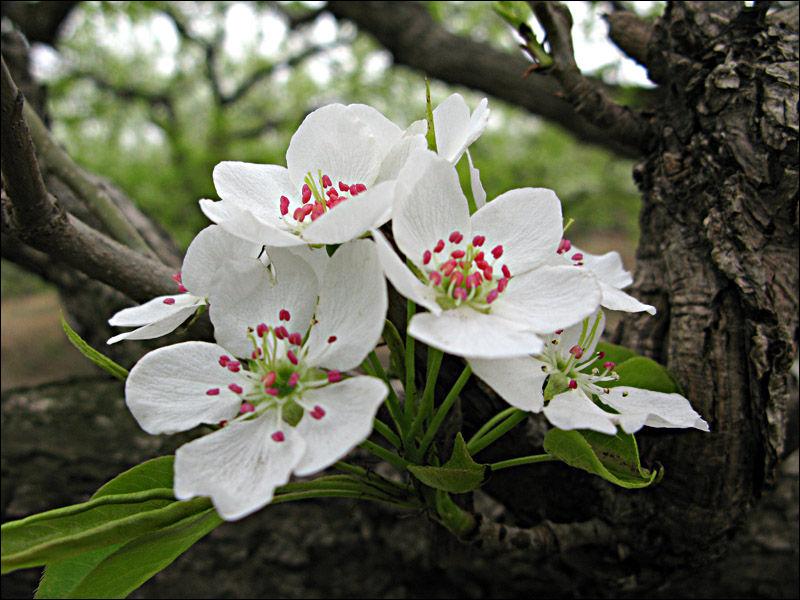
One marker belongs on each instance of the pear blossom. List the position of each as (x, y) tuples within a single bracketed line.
[(208, 257), (610, 273), (568, 357), (285, 404), (342, 163), (484, 279)]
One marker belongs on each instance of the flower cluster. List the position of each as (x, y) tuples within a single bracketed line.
[(502, 287)]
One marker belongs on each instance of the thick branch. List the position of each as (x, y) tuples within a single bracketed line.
[(589, 100), (631, 33), (415, 39), (39, 21), (545, 539), (39, 221)]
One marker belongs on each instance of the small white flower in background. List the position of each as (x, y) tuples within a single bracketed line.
[(338, 183), (209, 257), (456, 130), (277, 389), (610, 273), (569, 355), (485, 278)]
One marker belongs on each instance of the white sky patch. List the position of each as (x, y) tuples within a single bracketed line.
[(241, 30), (273, 35)]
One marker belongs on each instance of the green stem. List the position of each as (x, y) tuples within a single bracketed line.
[(291, 497), (522, 460), (441, 413), (426, 406), (385, 454), (515, 419), (491, 423), (410, 384), (392, 401), (387, 433), (374, 479)]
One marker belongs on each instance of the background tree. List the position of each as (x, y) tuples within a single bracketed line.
[(715, 144)]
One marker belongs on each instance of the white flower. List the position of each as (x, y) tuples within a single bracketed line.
[(207, 259), (610, 273), (569, 355), (274, 382), (339, 181), (456, 130), (485, 278)]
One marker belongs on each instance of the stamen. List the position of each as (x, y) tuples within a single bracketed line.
[(284, 205), (317, 413), (478, 240), (272, 391), (212, 392), (284, 315), (334, 376), (438, 247), (343, 187), (426, 257), (281, 332), (293, 379), (326, 181), (506, 272), (563, 246), (577, 256), (609, 365), (492, 296), (234, 366), (576, 351), (269, 378), (224, 360), (246, 407), (332, 339), (255, 353), (572, 384), (169, 300), (501, 284), (235, 388), (456, 237), (262, 329), (435, 277), (488, 272), (182, 288), (460, 293), (292, 357), (458, 254), (559, 331), (306, 193), (299, 214), (278, 436), (177, 277), (497, 252), (223, 423), (296, 339)]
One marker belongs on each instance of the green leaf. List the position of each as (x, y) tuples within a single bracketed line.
[(101, 360), (615, 458), (647, 374), (129, 566), (460, 474), (112, 519), (397, 351)]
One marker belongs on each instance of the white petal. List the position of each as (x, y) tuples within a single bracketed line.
[(399, 155), (639, 407), (153, 310), (353, 217), (527, 222), (401, 277), (574, 410), (615, 299), (254, 187), (429, 206), (255, 294), (166, 389), (478, 193), (419, 127), (239, 466), (352, 307), (211, 250), (518, 380), (607, 267), (350, 407), (158, 328), (243, 224), (386, 133), (466, 332), (549, 298), (335, 140), (317, 258), (455, 129)]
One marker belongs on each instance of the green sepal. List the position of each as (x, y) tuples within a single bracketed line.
[(615, 458), (397, 350), (513, 13), (101, 360), (430, 136), (460, 474)]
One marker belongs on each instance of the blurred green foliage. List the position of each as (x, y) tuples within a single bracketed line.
[(131, 99)]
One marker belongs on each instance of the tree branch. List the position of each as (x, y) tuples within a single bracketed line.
[(38, 220), (631, 34), (586, 97), (415, 39), (545, 539), (40, 21)]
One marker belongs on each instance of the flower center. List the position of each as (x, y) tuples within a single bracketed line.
[(317, 196), (276, 377), (464, 273)]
